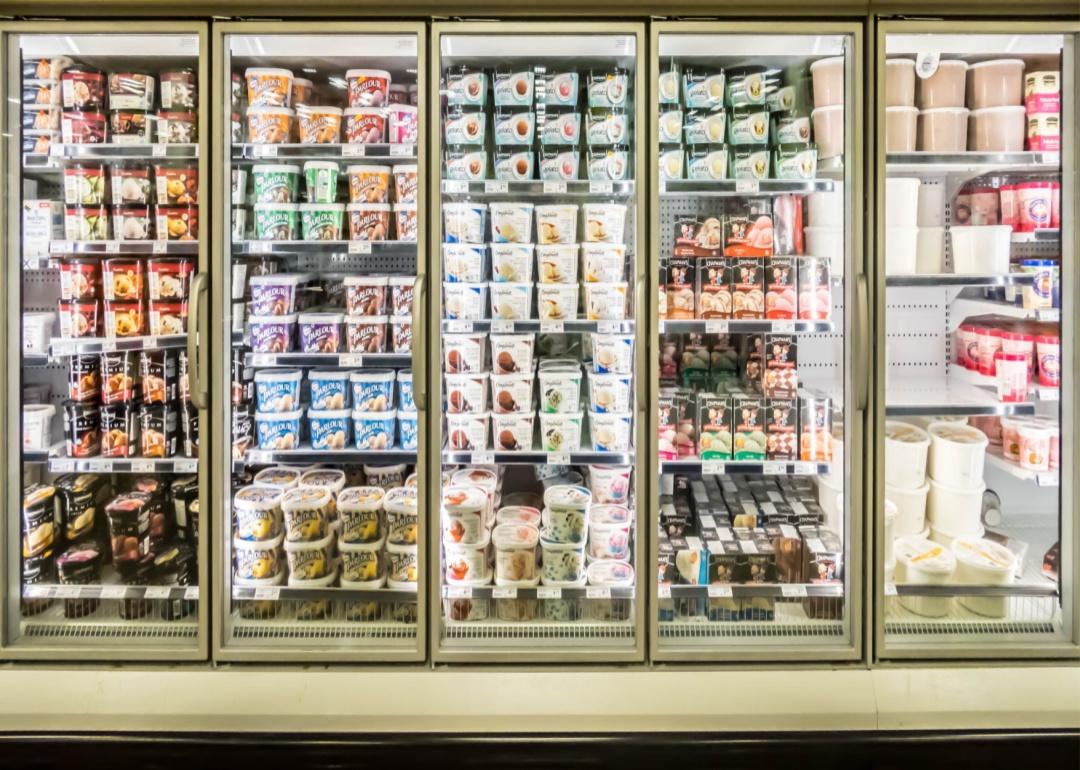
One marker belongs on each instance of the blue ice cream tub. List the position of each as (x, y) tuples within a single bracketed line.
[(405, 391), (277, 390), (329, 388), (374, 431), (278, 430), (407, 430), (329, 429), (372, 390)]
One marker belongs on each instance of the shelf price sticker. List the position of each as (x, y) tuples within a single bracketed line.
[(159, 247), (494, 187), (552, 327), (56, 151), (717, 327), (597, 592), (113, 592), (112, 247), (98, 466), (191, 593), (558, 458), (546, 592), (351, 359), (458, 592), (270, 593), (597, 188), (663, 591), (59, 247), (401, 150), (270, 150), (608, 327), (1049, 394), (554, 188), (1047, 479), (503, 592), (263, 359), (68, 592), (805, 469), (359, 247), (796, 591), (37, 592), (502, 327), (352, 150), (62, 466), (259, 247), (142, 466), (747, 186), (483, 458), (783, 327), (455, 186), (890, 589), (159, 150), (108, 346), (157, 592), (718, 591), (713, 468), (460, 327), (773, 468)]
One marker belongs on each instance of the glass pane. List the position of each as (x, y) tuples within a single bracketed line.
[(539, 233), (972, 514), (754, 530), (110, 439), (323, 254)]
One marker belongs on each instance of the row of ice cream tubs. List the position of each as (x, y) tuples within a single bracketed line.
[(512, 222)]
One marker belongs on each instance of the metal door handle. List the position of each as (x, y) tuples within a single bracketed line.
[(862, 351), (195, 388), (639, 323), (420, 339)]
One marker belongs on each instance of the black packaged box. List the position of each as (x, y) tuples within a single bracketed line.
[(160, 381)]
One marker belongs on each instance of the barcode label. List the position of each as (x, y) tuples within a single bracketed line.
[(501, 592), (552, 327), (747, 186), (544, 592), (597, 592), (554, 188), (359, 247), (400, 150), (159, 247), (793, 591), (719, 591), (663, 591), (458, 592), (264, 151), (268, 593), (600, 187), (713, 468), (494, 188), (455, 186), (158, 151), (352, 151), (112, 247), (462, 327), (558, 458), (142, 466), (483, 458), (191, 593), (502, 327), (717, 327), (772, 468)]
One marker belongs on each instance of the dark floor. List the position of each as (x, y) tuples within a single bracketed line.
[(910, 751)]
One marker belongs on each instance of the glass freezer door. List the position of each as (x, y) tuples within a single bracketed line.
[(538, 244), (106, 135), (756, 264), (321, 534), (975, 520)]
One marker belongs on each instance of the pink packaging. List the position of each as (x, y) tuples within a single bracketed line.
[(985, 205), (1055, 446), (1034, 103), (1049, 357), (988, 424), (402, 124), (1036, 205), (1021, 344), (1012, 377), (1044, 132), (1034, 448), (989, 343), (1009, 198), (1010, 438), (967, 348)]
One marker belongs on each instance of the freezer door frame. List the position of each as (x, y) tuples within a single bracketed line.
[(221, 331), (550, 652), (856, 354), (973, 651), (10, 303)]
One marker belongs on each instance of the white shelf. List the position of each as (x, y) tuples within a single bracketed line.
[(995, 459), (952, 396)]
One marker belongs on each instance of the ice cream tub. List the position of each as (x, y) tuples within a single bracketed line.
[(309, 560), (513, 89), (278, 430), (465, 128), (608, 89), (983, 562), (604, 222), (611, 431), (257, 513), (466, 86), (511, 301), (467, 432), (269, 125), (557, 302), (368, 184), (748, 125), (368, 87), (512, 432), (329, 388), (512, 353), (514, 128), (374, 431), (465, 301), (465, 222), (609, 539), (257, 560), (560, 390), (604, 128), (359, 510), (466, 262), (556, 223), (328, 429), (610, 393), (610, 484), (275, 294), (515, 552), (320, 332), (275, 183), (795, 129), (406, 183), (465, 163), (369, 221), (464, 527), (703, 88), (403, 124), (511, 222), (130, 184), (321, 221), (748, 162), (613, 353), (671, 126), (560, 432), (405, 223), (307, 511), (268, 86), (957, 454), (401, 333), (559, 164), (510, 262), (561, 129), (277, 390), (795, 161), (372, 390), (464, 353), (277, 221), (605, 301), (402, 565), (365, 295), (124, 319), (707, 162), (602, 262), (561, 89), (518, 514), (272, 333), (923, 562), (560, 561), (405, 391), (514, 165), (401, 517), (466, 392), (362, 561), (408, 430), (557, 263), (318, 124)]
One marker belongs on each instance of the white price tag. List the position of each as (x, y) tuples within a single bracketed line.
[(142, 466), (272, 593), (113, 592), (713, 468), (112, 247), (259, 247), (558, 458), (608, 327), (352, 150), (401, 150), (496, 187), (601, 187), (597, 592), (37, 592), (458, 592), (717, 327), (68, 592), (159, 247), (158, 151), (56, 150), (259, 456), (502, 327), (747, 186), (351, 359), (460, 327), (98, 466), (186, 466), (1053, 314), (554, 188), (263, 359), (503, 592), (890, 589), (483, 458), (793, 591), (359, 247), (59, 247), (789, 531), (719, 591), (108, 346), (63, 348), (191, 593), (552, 327), (157, 592), (455, 186), (783, 327), (805, 469), (544, 592), (773, 468), (264, 151), (663, 591), (62, 466), (1049, 394), (149, 343), (1047, 479)]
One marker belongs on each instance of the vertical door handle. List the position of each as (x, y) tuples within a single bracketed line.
[(195, 387), (863, 365), (420, 340), (639, 323)]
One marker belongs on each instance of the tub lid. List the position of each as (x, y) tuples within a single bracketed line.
[(306, 498), (514, 536), (283, 478), (268, 320), (400, 500), (275, 168), (985, 554), (477, 477), (372, 375), (324, 477), (609, 514), (464, 499), (324, 108), (958, 433), (924, 554), (565, 496), (278, 375), (328, 414), (360, 499), (326, 374), (322, 164), (610, 573), (518, 514), (906, 432), (258, 497)]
